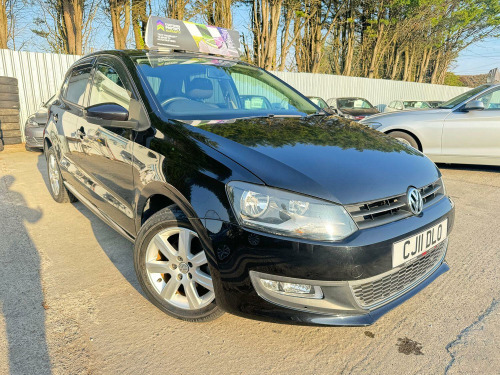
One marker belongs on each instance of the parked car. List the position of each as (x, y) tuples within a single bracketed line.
[(279, 213), (435, 103), (319, 102), (465, 129), (352, 108), (34, 126), (406, 105)]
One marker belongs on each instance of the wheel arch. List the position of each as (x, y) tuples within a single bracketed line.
[(420, 148)]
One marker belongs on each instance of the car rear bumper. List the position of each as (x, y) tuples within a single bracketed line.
[(362, 262)]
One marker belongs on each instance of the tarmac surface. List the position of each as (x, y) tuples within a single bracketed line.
[(70, 302)]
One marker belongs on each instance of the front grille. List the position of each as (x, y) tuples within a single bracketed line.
[(383, 211), (383, 288)]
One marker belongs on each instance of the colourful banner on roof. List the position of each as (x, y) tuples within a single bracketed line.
[(193, 37)]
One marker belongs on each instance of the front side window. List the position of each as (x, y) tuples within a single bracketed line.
[(76, 85), (108, 87), (491, 100), (205, 89)]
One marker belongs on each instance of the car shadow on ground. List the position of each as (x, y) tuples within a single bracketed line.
[(22, 301), (470, 167), (118, 249)]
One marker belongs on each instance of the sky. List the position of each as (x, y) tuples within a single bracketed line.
[(476, 59)]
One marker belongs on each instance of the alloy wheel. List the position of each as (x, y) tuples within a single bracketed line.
[(54, 177), (177, 268)]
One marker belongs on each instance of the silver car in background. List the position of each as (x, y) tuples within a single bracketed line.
[(465, 129), (33, 128)]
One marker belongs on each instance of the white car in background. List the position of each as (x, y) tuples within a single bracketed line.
[(465, 129)]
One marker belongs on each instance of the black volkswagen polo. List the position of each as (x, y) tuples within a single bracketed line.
[(240, 195)]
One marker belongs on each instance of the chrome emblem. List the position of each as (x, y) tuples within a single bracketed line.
[(183, 267), (415, 201)]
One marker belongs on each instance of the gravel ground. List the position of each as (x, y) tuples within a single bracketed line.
[(70, 302)]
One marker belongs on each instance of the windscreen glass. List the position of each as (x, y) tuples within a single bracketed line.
[(463, 97), (206, 89), (353, 103)]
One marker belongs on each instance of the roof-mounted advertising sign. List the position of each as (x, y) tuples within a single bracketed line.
[(167, 33)]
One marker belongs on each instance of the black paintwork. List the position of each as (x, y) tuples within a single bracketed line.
[(118, 170)]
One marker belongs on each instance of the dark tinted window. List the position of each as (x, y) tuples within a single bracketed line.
[(77, 82)]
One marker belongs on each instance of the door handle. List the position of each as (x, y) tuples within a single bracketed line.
[(56, 117)]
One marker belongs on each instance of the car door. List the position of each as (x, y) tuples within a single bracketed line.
[(65, 112), (474, 135), (105, 153)]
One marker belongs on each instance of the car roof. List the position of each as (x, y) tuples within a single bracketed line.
[(132, 53)]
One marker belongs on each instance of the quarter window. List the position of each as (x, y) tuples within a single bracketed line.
[(76, 85), (108, 87), (491, 100)]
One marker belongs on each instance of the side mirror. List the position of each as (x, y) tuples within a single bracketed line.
[(334, 110), (474, 105), (42, 115), (107, 111)]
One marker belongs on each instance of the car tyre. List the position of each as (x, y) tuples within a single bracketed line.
[(405, 138), (56, 182), (172, 267)]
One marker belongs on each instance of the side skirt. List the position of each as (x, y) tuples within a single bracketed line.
[(99, 213)]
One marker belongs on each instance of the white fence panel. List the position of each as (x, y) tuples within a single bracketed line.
[(39, 76), (379, 92)]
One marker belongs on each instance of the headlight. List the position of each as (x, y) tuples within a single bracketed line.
[(287, 214), (373, 125), (31, 123)]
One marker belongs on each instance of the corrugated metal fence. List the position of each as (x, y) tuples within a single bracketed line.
[(40, 76), (379, 92)]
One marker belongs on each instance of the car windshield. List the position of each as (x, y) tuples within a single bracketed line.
[(462, 97), (354, 103), (416, 104), (319, 102), (197, 88)]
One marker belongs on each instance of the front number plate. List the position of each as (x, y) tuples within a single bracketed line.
[(412, 247)]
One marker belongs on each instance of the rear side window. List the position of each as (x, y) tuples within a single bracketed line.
[(108, 87), (76, 85)]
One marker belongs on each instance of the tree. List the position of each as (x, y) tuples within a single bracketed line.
[(66, 25), (4, 28), (219, 13), (139, 21), (265, 18), (177, 9), (120, 21)]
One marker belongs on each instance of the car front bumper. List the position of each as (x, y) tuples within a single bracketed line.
[(240, 258), (34, 136)]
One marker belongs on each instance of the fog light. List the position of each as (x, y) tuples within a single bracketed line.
[(292, 289), (296, 288), (271, 285)]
